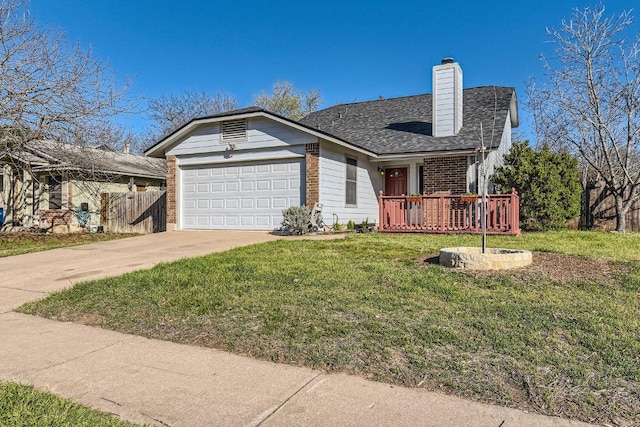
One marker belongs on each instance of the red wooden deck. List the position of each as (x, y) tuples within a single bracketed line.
[(449, 214)]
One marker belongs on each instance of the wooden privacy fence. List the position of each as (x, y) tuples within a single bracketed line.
[(598, 210), (134, 212), (449, 214)]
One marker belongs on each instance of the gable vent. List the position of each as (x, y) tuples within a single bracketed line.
[(234, 130)]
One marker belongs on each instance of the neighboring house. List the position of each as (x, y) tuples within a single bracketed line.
[(57, 186), (240, 169)]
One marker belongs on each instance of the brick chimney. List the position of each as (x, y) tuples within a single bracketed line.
[(447, 98)]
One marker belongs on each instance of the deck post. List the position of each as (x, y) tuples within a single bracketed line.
[(515, 211), (380, 212), (442, 214)]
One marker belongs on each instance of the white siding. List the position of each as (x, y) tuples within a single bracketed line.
[(332, 164), (496, 158), (262, 133), (242, 156), (447, 99)]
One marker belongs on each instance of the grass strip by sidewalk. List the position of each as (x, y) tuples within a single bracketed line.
[(362, 306), (24, 406), (22, 243)]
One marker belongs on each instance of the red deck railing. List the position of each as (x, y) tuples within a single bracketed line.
[(449, 214)]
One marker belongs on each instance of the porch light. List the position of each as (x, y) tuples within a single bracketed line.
[(380, 170)]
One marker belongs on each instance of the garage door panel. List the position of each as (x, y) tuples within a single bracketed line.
[(231, 170), (263, 221), (279, 202), (279, 184), (241, 196)]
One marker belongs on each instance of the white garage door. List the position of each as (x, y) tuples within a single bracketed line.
[(245, 196)]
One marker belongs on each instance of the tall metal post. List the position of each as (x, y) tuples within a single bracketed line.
[(485, 215)]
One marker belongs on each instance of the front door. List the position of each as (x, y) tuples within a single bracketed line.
[(395, 181)]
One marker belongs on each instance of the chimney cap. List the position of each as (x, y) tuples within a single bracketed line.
[(447, 60)]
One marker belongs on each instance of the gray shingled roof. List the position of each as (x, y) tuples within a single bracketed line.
[(56, 156), (403, 125)]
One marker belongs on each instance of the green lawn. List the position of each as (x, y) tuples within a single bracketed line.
[(22, 243), (23, 406), (362, 305)]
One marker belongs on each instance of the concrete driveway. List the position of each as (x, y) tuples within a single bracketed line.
[(163, 383), (32, 276)]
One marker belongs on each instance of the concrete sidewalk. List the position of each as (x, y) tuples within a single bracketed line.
[(163, 383)]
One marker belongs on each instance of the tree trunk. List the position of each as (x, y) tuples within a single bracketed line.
[(621, 215)]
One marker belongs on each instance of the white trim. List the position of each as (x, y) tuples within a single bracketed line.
[(411, 157)]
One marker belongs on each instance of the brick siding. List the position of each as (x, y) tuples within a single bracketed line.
[(171, 190), (57, 221), (445, 174), (312, 178)]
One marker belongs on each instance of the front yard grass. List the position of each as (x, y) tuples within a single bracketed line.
[(369, 305), (24, 406), (22, 243)]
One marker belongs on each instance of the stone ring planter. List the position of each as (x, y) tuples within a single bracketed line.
[(472, 258)]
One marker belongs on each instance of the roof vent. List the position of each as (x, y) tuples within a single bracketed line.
[(234, 130), (447, 60)]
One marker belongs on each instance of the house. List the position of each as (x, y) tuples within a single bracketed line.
[(57, 186), (240, 169)]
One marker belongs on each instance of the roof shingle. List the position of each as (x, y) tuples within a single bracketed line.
[(403, 125)]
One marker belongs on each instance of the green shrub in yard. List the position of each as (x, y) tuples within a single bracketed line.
[(548, 184), (296, 220), (351, 225)]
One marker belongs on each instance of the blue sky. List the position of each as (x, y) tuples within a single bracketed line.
[(348, 50)]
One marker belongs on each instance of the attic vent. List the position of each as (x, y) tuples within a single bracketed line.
[(234, 130)]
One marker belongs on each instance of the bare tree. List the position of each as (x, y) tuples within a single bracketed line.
[(286, 101), (589, 104), (170, 112), (50, 91)]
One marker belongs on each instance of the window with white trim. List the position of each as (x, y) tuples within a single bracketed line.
[(351, 185), (234, 130), (55, 192)]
